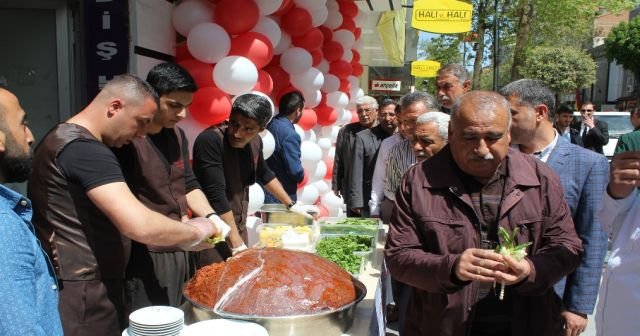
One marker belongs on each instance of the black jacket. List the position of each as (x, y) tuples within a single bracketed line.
[(596, 138)]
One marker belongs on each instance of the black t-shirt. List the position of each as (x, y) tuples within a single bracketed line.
[(89, 163)]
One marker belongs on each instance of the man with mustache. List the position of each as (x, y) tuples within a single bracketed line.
[(365, 154), (452, 82), (430, 135), (28, 284), (443, 234)]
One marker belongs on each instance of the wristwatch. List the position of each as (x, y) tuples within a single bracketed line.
[(290, 205)]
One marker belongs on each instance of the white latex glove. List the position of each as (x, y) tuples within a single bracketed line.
[(238, 249), (301, 209), (222, 227), (205, 229)]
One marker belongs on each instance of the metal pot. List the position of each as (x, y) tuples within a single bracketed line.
[(278, 213), (329, 323)]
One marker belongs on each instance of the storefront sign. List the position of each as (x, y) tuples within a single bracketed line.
[(425, 69), (107, 40), (442, 16), (385, 85)]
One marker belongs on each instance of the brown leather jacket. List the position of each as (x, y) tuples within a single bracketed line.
[(435, 222)]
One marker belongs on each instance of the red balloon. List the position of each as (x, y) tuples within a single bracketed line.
[(329, 164), (279, 77), (317, 57), (202, 73), (326, 115), (322, 211), (345, 85), (285, 7), (357, 33), (328, 34), (356, 69), (278, 95), (210, 106), (295, 22), (340, 68), (332, 51), (304, 180), (182, 52), (311, 40), (265, 83), (348, 8), (356, 56), (308, 119), (323, 100), (254, 46), (354, 116), (348, 24), (237, 16)]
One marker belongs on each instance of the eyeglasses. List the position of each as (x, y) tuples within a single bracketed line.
[(586, 110)]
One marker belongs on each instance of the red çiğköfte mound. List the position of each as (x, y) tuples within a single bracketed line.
[(272, 282)]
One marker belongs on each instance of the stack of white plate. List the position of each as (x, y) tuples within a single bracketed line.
[(225, 327), (156, 321)]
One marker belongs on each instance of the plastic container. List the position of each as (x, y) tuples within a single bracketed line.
[(359, 257), (278, 213), (334, 225), (286, 236)]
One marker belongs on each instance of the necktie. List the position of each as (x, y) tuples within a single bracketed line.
[(585, 130)]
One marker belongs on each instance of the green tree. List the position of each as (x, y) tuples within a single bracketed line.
[(623, 45), (564, 69)]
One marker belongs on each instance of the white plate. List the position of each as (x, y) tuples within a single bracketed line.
[(225, 327), (156, 316), (126, 331)]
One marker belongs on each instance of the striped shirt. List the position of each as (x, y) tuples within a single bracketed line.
[(379, 177), (401, 158)]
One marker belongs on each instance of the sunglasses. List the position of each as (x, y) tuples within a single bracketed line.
[(585, 110)]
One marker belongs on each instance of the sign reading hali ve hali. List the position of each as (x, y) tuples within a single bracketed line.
[(442, 16)]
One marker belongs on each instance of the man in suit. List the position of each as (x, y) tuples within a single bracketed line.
[(364, 156), (583, 175), (594, 133), (367, 108), (564, 118)]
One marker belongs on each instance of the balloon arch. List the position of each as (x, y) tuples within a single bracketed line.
[(275, 46)]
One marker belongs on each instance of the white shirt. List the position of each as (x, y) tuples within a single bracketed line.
[(379, 179), (620, 287), (543, 155)]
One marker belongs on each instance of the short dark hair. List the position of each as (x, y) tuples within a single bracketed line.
[(386, 102), (132, 87), (531, 92), (291, 102), (170, 77), (565, 108), (588, 102), (253, 106)]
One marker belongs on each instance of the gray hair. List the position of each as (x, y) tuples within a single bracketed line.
[(485, 101), (441, 119), (367, 100), (531, 92), (428, 100), (457, 70)]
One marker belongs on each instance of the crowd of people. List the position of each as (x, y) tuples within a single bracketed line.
[(117, 217)]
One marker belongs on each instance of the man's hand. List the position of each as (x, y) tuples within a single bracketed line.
[(479, 265), (301, 209), (357, 211), (624, 174), (206, 229), (222, 227), (588, 120), (515, 271), (575, 323), (238, 249)]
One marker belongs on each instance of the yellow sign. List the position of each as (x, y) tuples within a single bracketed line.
[(442, 16), (425, 68)]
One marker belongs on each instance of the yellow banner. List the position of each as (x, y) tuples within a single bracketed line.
[(425, 69), (442, 16)]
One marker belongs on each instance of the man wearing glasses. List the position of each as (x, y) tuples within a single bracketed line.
[(594, 133)]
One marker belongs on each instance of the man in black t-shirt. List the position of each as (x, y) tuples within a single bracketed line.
[(85, 214)]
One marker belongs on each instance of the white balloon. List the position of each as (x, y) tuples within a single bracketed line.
[(308, 194), (347, 55), (269, 28), (334, 19), (311, 79), (345, 117), (310, 5), (361, 18), (310, 135), (283, 44), (355, 94), (322, 186), (189, 14), (325, 143), (345, 38), (268, 6), (320, 16), (323, 66), (330, 154), (235, 75), (331, 83), (312, 98), (311, 153), (256, 198), (208, 42), (331, 202), (330, 132), (338, 100), (299, 130), (296, 60), (268, 143), (317, 172), (333, 5)]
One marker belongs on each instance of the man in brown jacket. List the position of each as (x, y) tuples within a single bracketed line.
[(444, 230)]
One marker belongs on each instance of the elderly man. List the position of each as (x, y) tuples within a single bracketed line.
[(583, 175), (430, 135), (364, 156), (594, 133), (85, 213), (28, 283), (443, 234), (452, 82), (367, 108)]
